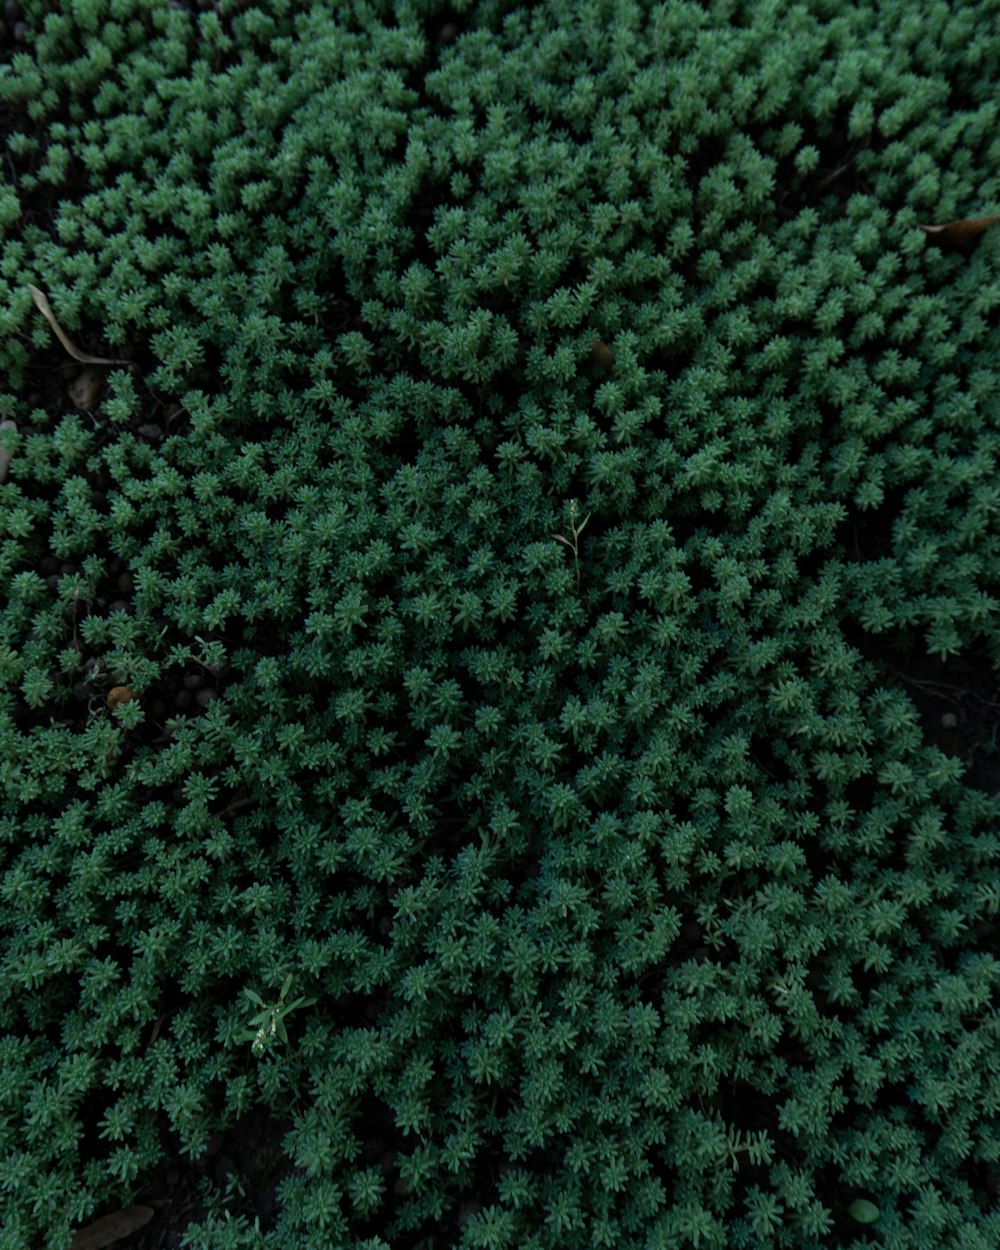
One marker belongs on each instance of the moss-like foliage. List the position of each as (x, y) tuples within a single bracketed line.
[(477, 608)]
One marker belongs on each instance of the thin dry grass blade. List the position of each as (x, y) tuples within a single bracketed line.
[(43, 306)]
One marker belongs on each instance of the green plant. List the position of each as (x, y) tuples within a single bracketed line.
[(574, 545), (271, 1018)]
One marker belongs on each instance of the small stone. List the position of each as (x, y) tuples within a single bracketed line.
[(183, 700), (193, 680), (149, 430), (949, 720), (86, 389), (119, 695), (125, 583), (5, 455), (467, 1210), (448, 33), (21, 32), (119, 605)]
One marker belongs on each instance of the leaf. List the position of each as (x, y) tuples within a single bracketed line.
[(960, 233), (254, 998), (42, 304), (864, 1212), (602, 353), (111, 1228), (299, 1002)]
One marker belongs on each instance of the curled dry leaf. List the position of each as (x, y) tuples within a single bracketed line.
[(960, 233), (5, 455), (42, 304), (602, 353), (111, 1228)]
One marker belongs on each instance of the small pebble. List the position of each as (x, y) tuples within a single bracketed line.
[(86, 389), (949, 720), (467, 1210), (5, 455), (204, 697)]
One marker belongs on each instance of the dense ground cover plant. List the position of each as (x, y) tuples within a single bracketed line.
[(514, 698)]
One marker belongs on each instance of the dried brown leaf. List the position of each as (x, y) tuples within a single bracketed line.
[(960, 233), (602, 353), (42, 304), (111, 1228)]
